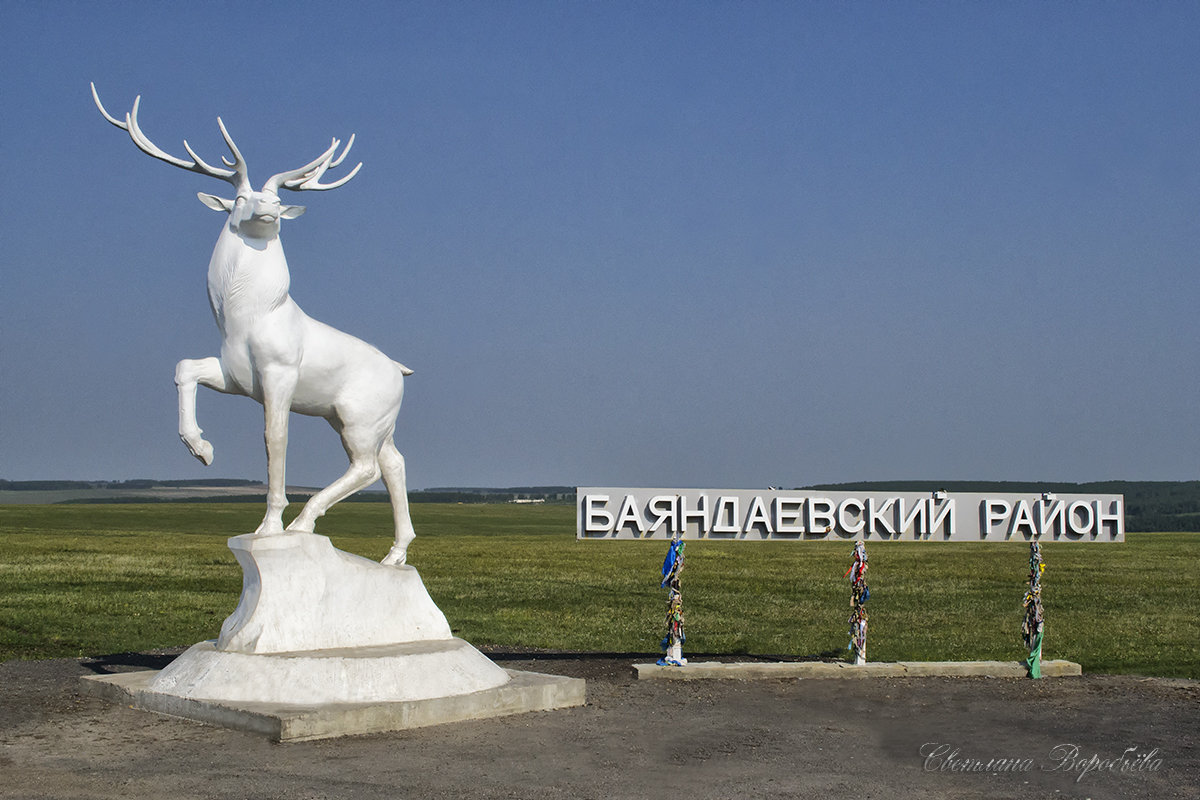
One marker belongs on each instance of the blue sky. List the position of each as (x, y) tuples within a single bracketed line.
[(664, 244)]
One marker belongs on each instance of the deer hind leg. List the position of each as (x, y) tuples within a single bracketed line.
[(392, 464), (189, 373), (278, 387), (363, 450)]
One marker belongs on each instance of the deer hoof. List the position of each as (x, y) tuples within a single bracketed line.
[(205, 453), (396, 557), (300, 525), (202, 449)]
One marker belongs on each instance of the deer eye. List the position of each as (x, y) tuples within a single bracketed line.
[(241, 201)]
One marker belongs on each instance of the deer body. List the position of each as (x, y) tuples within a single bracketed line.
[(276, 354)]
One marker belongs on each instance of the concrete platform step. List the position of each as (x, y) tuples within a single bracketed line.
[(831, 669), (527, 691)]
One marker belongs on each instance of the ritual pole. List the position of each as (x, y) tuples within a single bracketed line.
[(672, 643), (859, 594), (1035, 622)]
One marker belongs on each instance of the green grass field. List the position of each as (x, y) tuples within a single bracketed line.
[(90, 580)]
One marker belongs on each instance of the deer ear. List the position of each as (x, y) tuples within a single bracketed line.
[(215, 203), (291, 212)]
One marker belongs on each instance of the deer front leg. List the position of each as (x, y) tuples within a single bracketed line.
[(278, 387), (188, 374)]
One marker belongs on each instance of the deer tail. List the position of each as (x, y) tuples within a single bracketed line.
[(403, 369)]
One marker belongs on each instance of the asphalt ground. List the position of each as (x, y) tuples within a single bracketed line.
[(931, 737)]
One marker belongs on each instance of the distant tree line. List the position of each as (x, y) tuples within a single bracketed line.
[(454, 494), (137, 483), (1149, 505), (547, 494)]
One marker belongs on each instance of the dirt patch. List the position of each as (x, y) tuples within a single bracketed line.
[(1091, 737)]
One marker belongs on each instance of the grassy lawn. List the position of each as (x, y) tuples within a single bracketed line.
[(93, 579)]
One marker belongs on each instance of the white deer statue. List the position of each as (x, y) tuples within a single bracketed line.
[(275, 353)]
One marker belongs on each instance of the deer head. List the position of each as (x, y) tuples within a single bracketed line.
[(254, 214)]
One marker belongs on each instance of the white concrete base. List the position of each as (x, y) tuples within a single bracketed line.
[(838, 669), (524, 691), (383, 673), (325, 643), (316, 625)]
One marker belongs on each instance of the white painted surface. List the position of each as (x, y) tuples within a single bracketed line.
[(300, 593), (284, 721), (414, 671), (316, 625), (811, 515), (276, 354)]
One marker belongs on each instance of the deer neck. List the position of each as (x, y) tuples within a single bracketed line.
[(247, 278)]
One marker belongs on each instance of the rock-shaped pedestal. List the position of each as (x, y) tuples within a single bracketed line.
[(300, 593), (316, 625)]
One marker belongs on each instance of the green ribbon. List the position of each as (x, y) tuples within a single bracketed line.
[(1034, 662)]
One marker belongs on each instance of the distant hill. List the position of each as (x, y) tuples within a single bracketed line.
[(1149, 505), (232, 490), (137, 483), (473, 494), (142, 490)]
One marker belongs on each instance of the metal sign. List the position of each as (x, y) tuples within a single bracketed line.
[(745, 515)]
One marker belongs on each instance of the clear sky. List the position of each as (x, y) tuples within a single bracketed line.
[(657, 244)]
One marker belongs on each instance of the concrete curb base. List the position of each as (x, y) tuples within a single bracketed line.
[(829, 669), (527, 691)]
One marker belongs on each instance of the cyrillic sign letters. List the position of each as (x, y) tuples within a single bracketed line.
[(611, 513)]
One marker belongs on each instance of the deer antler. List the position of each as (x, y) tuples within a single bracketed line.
[(308, 177), (238, 175)]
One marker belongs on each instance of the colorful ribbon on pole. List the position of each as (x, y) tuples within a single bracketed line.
[(859, 594), (672, 643), (1035, 622)]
